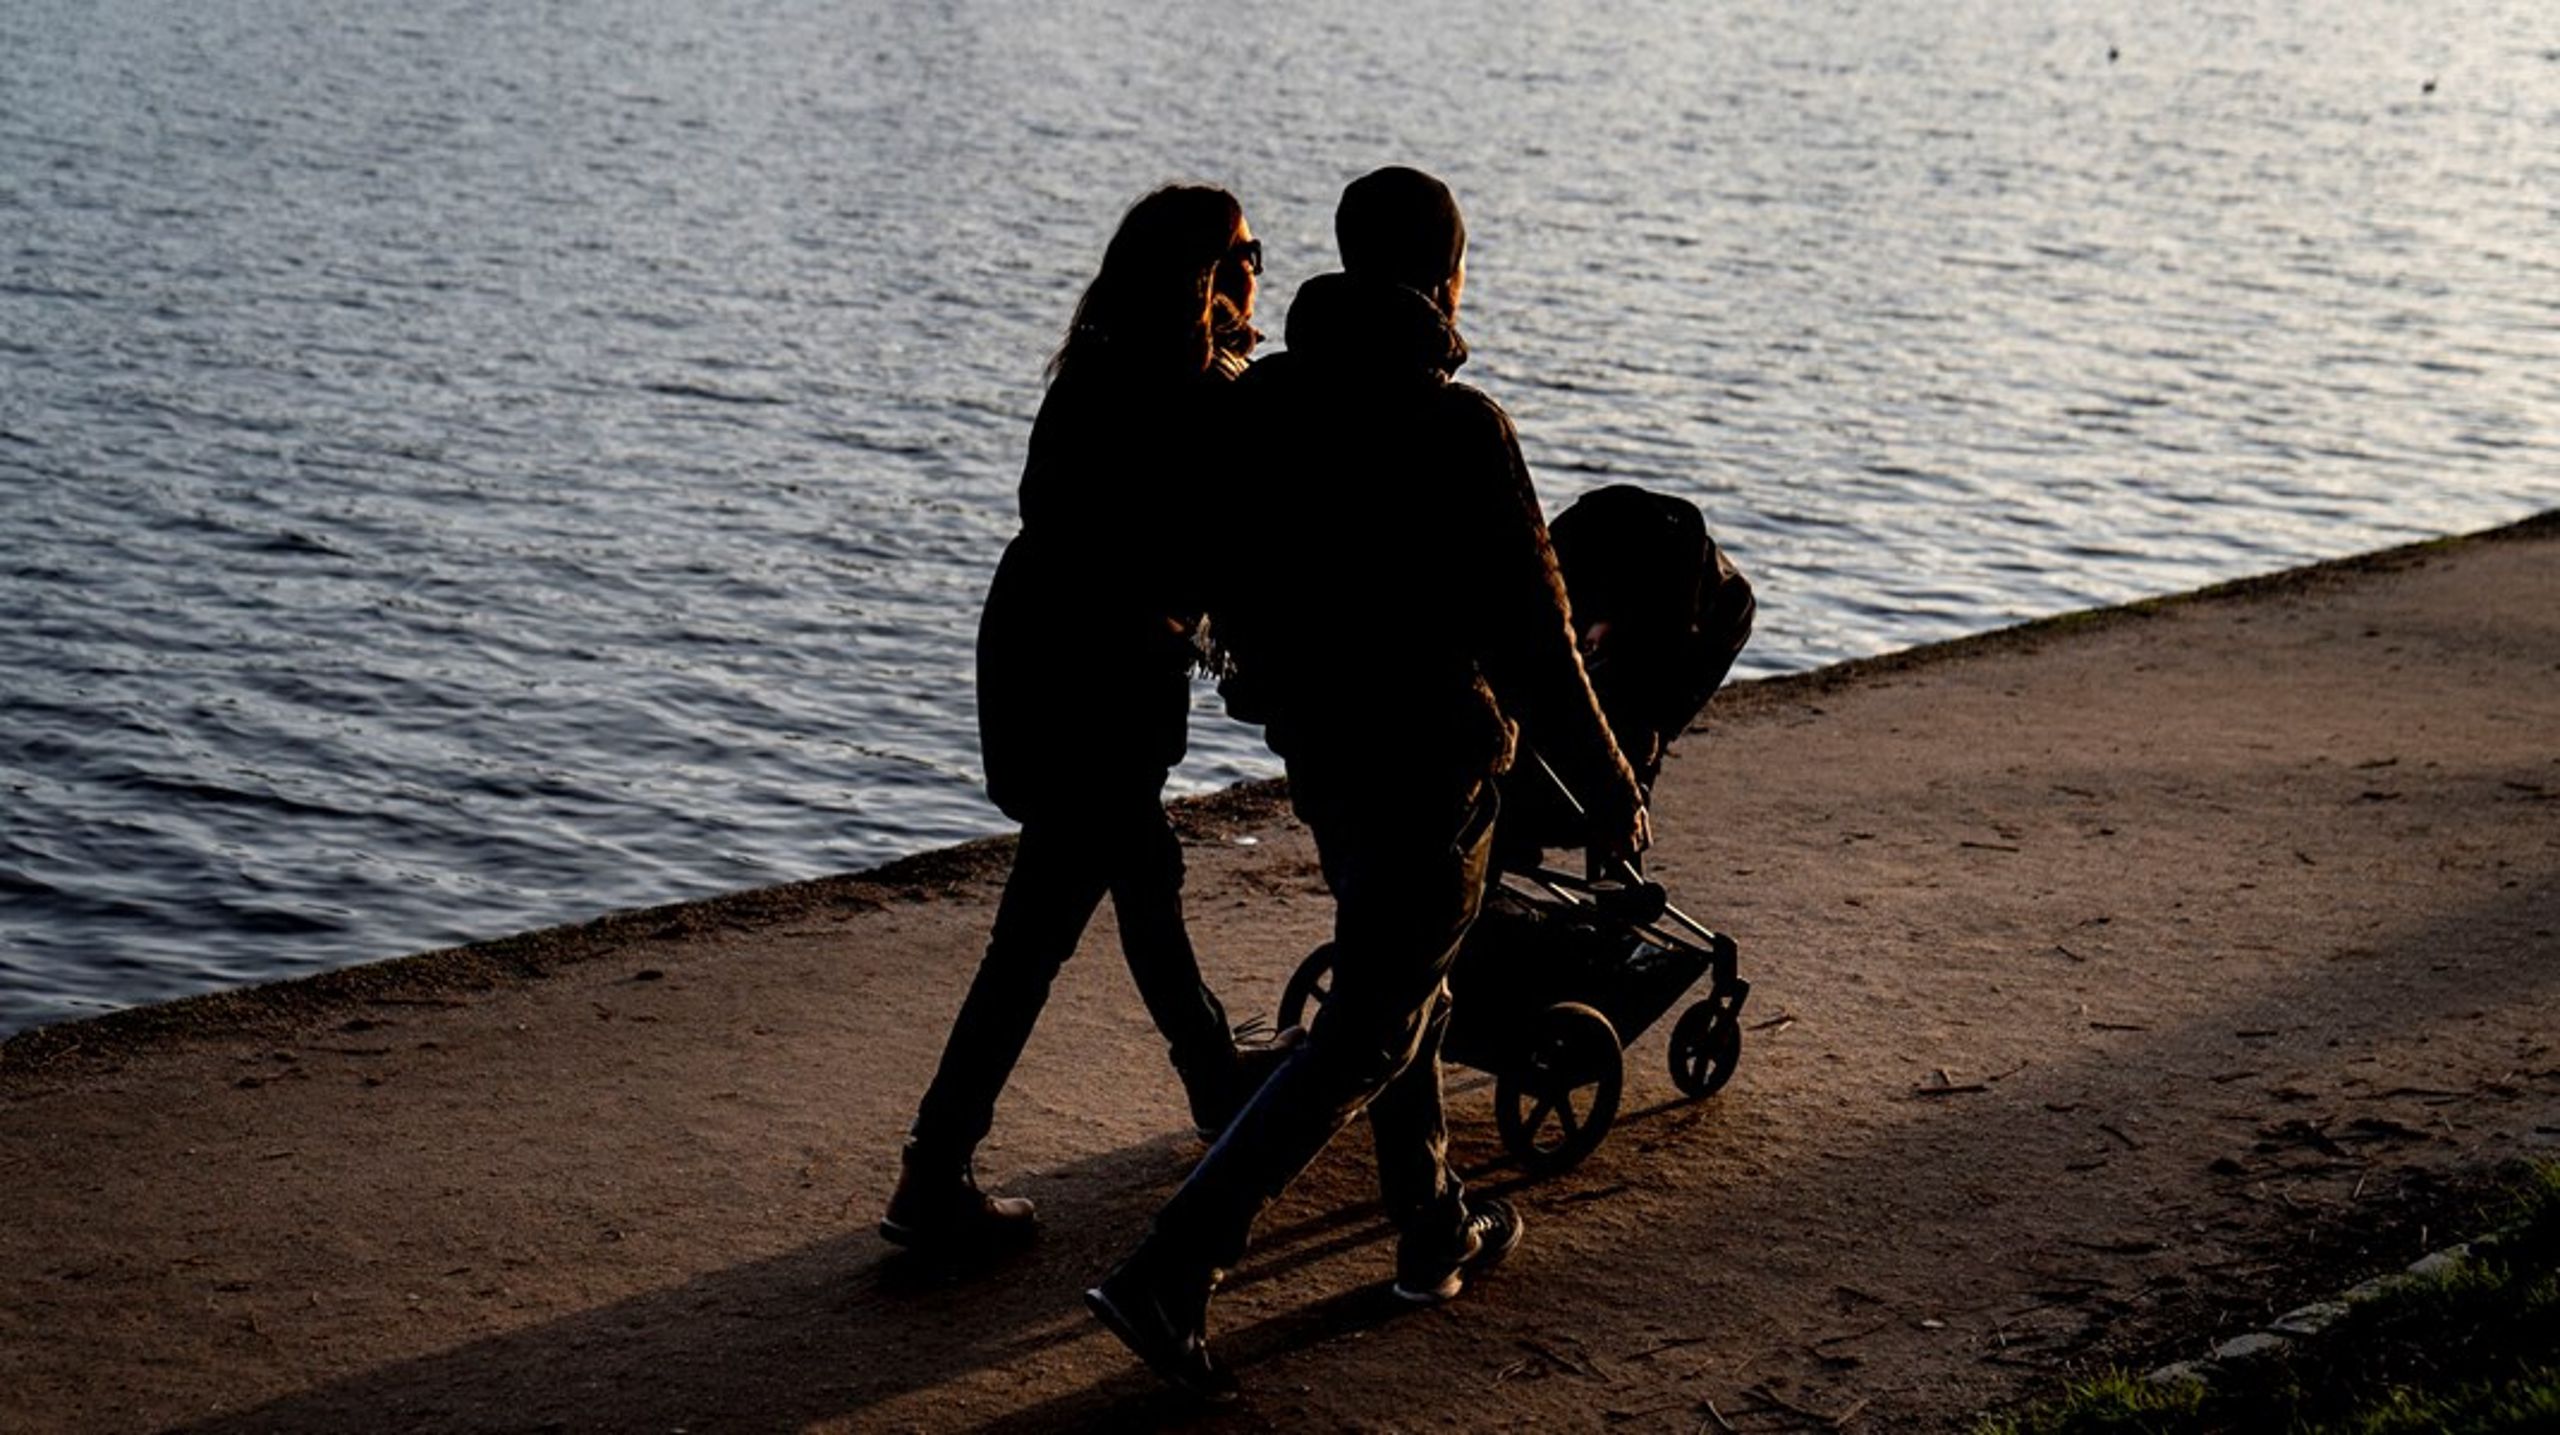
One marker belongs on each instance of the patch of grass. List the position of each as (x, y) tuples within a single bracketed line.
[(2117, 1402), (2471, 1350)]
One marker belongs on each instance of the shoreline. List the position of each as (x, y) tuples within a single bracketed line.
[(545, 951)]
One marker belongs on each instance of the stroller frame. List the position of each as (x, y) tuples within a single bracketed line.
[(1553, 1027)]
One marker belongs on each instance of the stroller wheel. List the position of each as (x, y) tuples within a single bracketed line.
[(1706, 1044), (1555, 1098), (1310, 986)]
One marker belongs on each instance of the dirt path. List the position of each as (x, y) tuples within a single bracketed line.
[(2095, 968)]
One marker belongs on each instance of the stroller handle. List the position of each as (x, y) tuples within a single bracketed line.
[(1612, 871), (1617, 885)]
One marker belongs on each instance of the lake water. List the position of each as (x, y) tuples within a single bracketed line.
[(466, 466)]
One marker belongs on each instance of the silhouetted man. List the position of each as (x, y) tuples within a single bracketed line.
[(1390, 600)]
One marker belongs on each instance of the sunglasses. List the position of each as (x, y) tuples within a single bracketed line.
[(1247, 254)]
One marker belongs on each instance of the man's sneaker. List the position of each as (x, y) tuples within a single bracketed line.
[(1432, 1273), (939, 1207), (1164, 1327)]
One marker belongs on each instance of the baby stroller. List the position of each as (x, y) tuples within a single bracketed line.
[(1561, 973)]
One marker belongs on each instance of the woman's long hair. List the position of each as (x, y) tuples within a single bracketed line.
[(1149, 308)]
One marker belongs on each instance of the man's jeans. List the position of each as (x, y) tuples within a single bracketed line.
[(1407, 870), (1061, 869)]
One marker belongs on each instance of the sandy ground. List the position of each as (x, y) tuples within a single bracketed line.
[(2116, 980)]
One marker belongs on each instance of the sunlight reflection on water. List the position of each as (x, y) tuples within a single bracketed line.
[(467, 468)]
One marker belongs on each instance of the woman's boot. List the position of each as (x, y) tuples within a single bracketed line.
[(938, 1206), (1220, 1083)]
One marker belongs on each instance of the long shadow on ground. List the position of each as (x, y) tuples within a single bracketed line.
[(842, 1327)]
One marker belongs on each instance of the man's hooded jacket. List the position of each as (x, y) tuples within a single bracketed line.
[(1383, 585)]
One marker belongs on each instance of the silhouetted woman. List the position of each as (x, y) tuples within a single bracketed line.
[(1084, 654)]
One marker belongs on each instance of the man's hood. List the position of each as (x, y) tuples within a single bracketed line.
[(1365, 323)]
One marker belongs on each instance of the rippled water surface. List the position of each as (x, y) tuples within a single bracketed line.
[(465, 466)]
